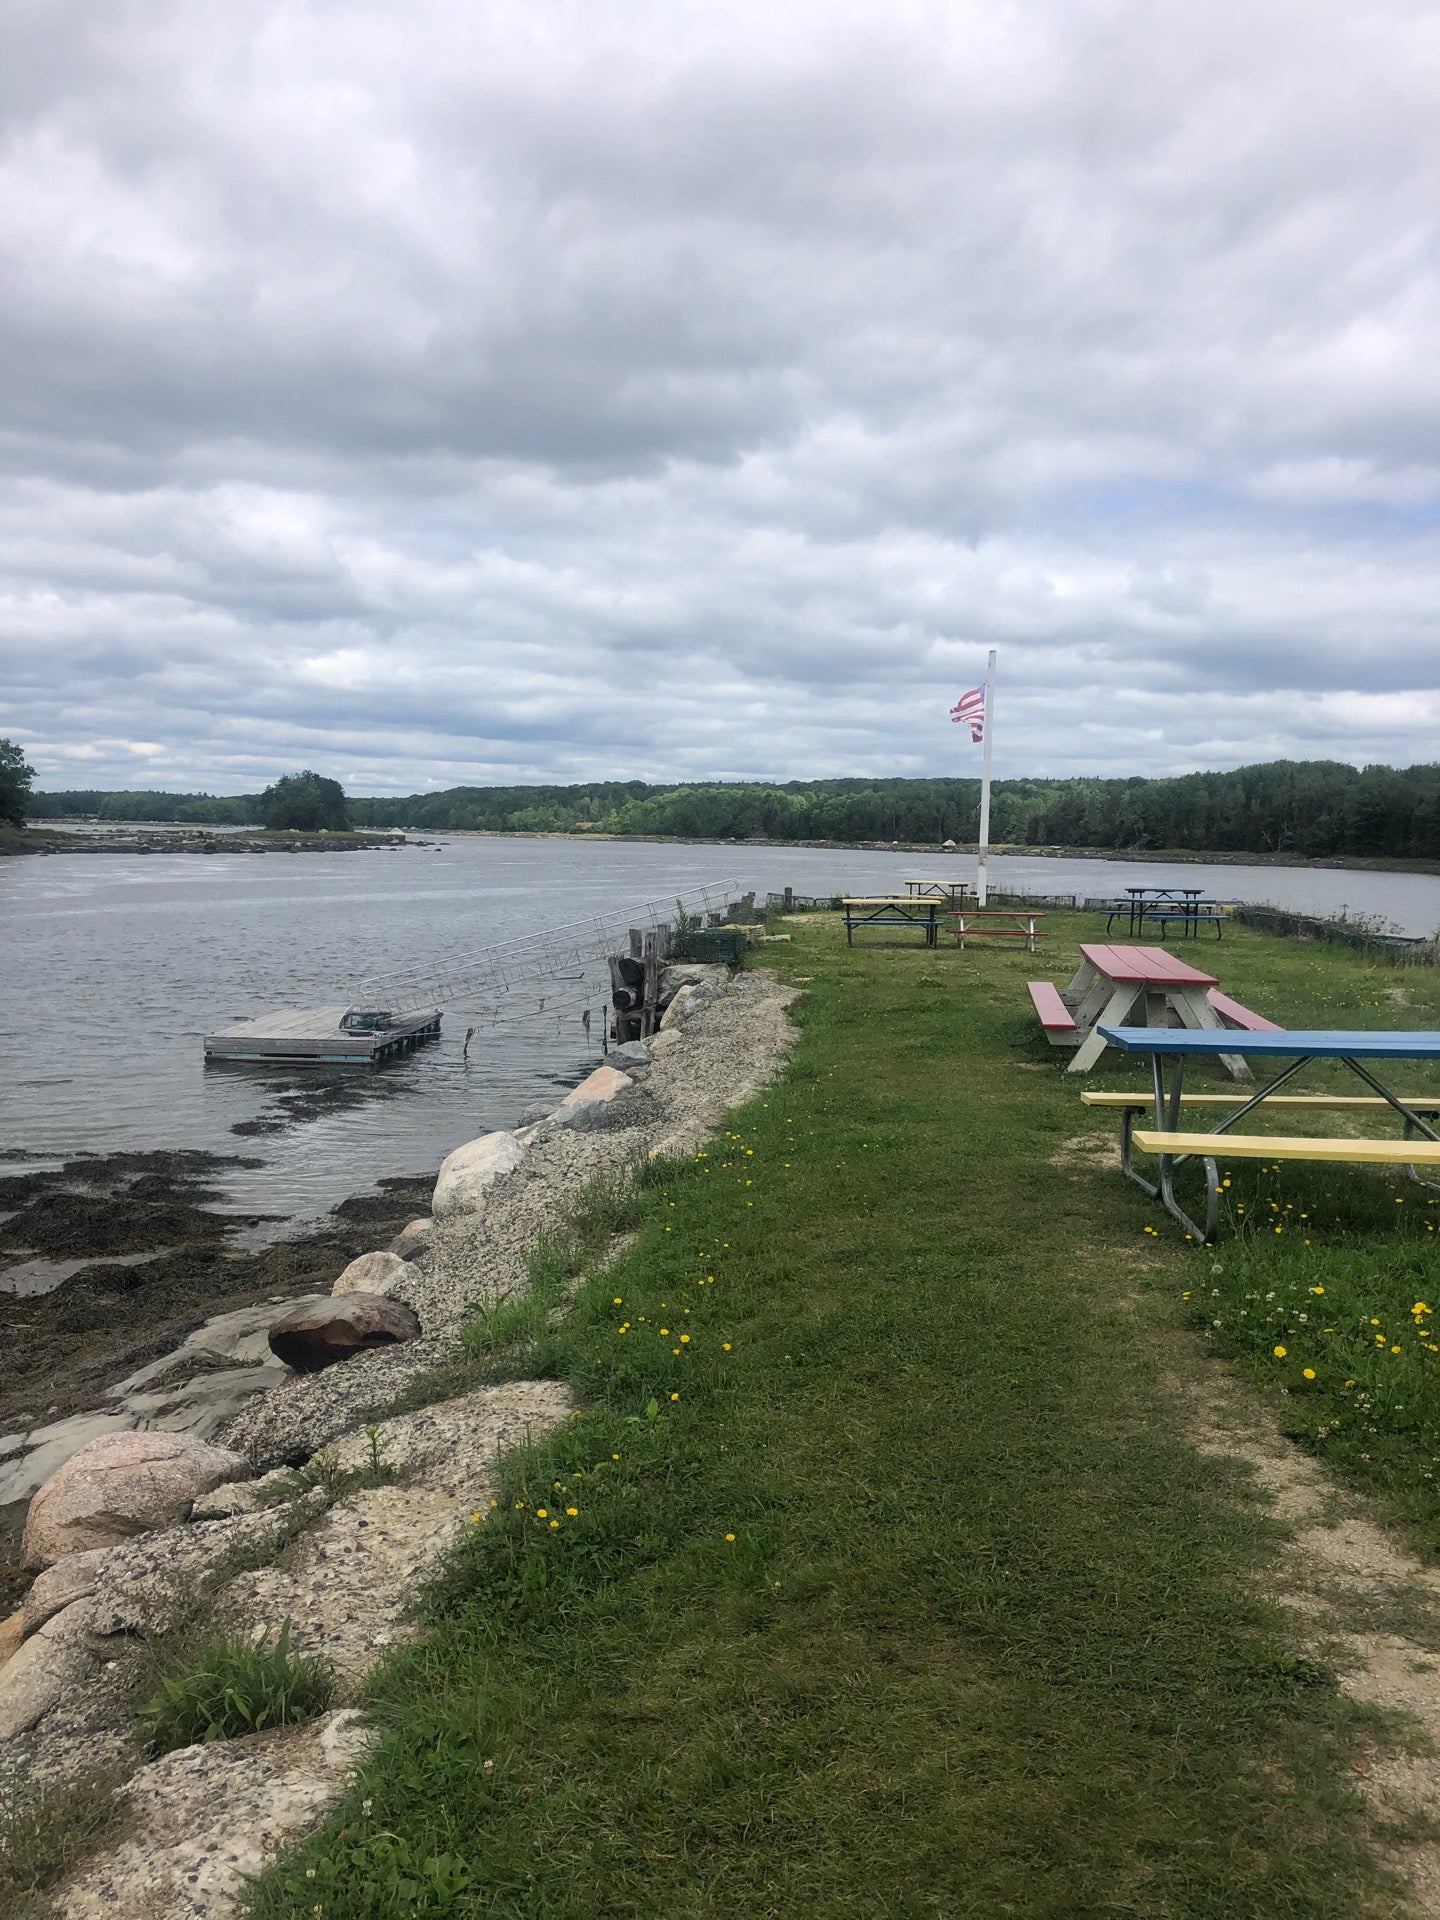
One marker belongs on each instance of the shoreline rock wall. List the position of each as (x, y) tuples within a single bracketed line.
[(351, 1561)]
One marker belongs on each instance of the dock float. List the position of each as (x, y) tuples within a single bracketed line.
[(323, 1034)]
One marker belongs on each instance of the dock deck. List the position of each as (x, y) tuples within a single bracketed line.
[(315, 1033)]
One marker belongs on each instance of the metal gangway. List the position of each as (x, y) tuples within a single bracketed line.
[(510, 973)]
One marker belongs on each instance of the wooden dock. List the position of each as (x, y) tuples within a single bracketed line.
[(316, 1033)]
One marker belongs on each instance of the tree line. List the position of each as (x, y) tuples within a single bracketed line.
[(1313, 808)]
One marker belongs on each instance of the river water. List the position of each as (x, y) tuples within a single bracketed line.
[(114, 966)]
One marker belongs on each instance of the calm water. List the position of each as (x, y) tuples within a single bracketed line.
[(114, 966)]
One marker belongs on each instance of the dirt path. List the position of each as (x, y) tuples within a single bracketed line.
[(1359, 1601)]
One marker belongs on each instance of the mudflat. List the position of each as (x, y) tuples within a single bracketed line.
[(134, 1254)]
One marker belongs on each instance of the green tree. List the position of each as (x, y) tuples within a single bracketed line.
[(15, 778), (305, 802)]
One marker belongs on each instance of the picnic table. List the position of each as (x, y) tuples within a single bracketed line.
[(1113, 983), (952, 892), (1169, 1049), (894, 910), (1015, 923), (1189, 906)]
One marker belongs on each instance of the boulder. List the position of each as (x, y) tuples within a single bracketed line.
[(601, 1085), (12, 1632), (379, 1273), (634, 1053), (537, 1111), (33, 1457), (688, 1001), (119, 1485), (411, 1239), (319, 1336), (469, 1170), (686, 974), (588, 1105), (73, 1578), (580, 1116), (53, 1662)]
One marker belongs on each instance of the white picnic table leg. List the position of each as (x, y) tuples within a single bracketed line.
[(1195, 1010), (1072, 994), (1122, 999)]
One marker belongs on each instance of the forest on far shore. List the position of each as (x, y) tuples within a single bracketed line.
[(1310, 808)]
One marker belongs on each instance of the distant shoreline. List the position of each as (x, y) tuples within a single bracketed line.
[(1344, 862), (148, 837)]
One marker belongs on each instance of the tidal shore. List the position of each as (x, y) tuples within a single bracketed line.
[(342, 1568)]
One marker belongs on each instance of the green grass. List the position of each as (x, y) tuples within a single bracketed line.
[(49, 1827), (894, 1589), (236, 1686)]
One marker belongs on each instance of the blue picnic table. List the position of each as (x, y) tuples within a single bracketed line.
[(1169, 1048)]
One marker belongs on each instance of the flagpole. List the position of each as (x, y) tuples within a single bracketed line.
[(984, 850)]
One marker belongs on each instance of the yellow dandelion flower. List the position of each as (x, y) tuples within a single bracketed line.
[(683, 1338), (1309, 1372), (1279, 1353), (572, 1511), (674, 1396), (729, 1536), (540, 1513), (554, 1523), (725, 1344)]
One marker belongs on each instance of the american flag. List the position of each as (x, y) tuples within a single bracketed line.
[(971, 706)]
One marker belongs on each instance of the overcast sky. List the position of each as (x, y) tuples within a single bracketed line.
[(435, 392)]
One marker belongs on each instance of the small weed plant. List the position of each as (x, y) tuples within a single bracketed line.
[(236, 1686), (324, 1471)]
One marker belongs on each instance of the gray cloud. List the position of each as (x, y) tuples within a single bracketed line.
[(444, 394)]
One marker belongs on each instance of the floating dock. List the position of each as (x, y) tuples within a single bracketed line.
[(316, 1033)]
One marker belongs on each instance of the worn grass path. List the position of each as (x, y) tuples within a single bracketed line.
[(878, 1578)]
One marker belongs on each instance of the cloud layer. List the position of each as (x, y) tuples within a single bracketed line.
[(435, 393)]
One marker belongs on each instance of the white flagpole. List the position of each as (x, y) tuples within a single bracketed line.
[(984, 851)]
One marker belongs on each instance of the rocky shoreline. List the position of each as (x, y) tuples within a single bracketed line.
[(32, 839), (264, 1542)]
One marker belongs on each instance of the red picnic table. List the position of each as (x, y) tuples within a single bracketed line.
[(1128, 986)]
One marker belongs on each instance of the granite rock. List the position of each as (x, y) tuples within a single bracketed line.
[(379, 1273), (411, 1240), (54, 1662), (318, 1336), (469, 1170), (119, 1485), (73, 1578)]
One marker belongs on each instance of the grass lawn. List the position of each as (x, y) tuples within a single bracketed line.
[(876, 1577)]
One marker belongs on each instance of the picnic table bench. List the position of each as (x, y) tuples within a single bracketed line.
[(1019, 924), (1112, 984), (894, 910), (1168, 1051)]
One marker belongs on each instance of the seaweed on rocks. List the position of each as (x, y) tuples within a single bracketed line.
[(114, 1312)]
